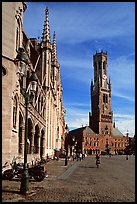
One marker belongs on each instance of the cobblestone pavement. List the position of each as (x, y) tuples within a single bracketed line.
[(80, 181)]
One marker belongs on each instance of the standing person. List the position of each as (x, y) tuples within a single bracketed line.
[(74, 156), (80, 156), (97, 160), (97, 156), (83, 156)]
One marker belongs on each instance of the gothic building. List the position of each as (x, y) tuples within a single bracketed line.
[(101, 135), (46, 111)]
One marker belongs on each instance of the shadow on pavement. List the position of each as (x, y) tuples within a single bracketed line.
[(19, 180), (87, 167), (11, 191)]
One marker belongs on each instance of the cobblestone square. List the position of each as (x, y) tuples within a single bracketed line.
[(80, 181)]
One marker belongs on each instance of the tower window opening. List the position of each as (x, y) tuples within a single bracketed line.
[(106, 130), (105, 98), (104, 67), (99, 65)]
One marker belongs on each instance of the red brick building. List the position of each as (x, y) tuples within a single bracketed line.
[(101, 135)]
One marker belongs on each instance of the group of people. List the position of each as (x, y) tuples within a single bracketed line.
[(78, 156)]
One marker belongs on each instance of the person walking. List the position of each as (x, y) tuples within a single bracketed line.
[(97, 160), (80, 156)]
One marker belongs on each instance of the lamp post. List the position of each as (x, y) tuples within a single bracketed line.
[(28, 93), (66, 144)]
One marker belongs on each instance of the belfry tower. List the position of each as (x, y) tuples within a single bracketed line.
[(101, 116)]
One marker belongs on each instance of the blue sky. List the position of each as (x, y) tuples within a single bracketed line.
[(82, 28)]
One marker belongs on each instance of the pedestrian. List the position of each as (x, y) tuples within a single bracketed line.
[(80, 156), (97, 157), (83, 156), (97, 160), (74, 156), (127, 157)]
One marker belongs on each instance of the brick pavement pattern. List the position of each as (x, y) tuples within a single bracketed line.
[(80, 181)]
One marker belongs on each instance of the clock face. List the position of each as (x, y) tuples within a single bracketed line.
[(104, 76)]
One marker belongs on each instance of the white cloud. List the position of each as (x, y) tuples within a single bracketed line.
[(119, 94), (75, 118), (77, 104), (122, 72), (116, 22), (69, 20), (125, 123)]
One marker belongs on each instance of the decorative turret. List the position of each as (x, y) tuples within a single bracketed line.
[(54, 50), (46, 30)]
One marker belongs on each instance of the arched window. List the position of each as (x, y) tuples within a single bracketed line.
[(106, 129), (99, 65), (104, 67), (14, 112), (105, 98)]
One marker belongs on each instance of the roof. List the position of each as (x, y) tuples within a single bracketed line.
[(116, 132), (89, 130), (81, 129)]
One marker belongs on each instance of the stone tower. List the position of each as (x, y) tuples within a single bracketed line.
[(101, 117)]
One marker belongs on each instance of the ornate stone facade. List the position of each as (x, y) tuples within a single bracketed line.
[(46, 112)]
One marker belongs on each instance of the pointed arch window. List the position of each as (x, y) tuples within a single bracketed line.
[(15, 112), (105, 98), (106, 130), (99, 65), (104, 67)]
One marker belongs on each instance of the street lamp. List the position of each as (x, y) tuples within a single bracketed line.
[(28, 96), (66, 144)]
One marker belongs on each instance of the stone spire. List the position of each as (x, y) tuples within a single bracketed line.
[(54, 51), (46, 30)]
